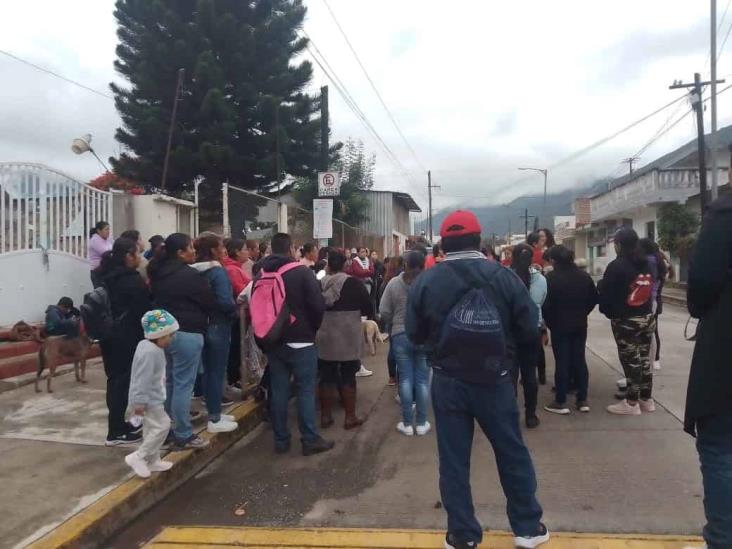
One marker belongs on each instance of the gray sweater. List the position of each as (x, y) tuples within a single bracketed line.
[(393, 306), (147, 379)]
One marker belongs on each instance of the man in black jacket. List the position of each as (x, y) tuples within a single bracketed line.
[(473, 382), (296, 353), (709, 397)]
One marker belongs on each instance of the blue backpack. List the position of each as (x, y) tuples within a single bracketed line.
[(473, 335)]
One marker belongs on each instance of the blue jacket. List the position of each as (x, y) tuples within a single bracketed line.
[(220, 285), (58, 323), (436, 291)]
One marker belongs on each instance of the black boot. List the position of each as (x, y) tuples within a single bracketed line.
[(317, 447)]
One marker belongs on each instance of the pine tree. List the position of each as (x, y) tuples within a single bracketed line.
[(240, 65)]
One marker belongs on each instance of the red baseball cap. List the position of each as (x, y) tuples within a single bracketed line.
[(459, 223)]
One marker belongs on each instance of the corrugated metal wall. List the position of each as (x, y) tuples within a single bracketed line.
[(381, 218)]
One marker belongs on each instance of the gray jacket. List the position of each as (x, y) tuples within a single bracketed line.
[(393, 306), (147, 379)]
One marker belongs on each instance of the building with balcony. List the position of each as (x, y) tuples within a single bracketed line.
[(634, 199)]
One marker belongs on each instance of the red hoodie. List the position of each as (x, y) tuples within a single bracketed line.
[(237, 276), (359, 272)]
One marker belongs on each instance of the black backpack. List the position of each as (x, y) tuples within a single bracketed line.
[(96, 313), (473, 335)]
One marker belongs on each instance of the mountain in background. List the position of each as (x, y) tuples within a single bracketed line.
[(495, 218)]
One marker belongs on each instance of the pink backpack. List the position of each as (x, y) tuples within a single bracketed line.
[(268, 307)]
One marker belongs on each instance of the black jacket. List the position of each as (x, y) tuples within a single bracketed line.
[(571, 296), (184, 293), (615, 287), (354, 297), (709, 298), (436, 291), (130, 299), (304, 299)]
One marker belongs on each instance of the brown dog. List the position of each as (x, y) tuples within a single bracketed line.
[(56, 350), (372, 335)]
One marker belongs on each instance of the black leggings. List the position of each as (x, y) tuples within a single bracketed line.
[(525, 364), (342, 374), (658, 342)]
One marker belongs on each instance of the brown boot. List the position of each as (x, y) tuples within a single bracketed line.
[(348, 396), (327, 394)]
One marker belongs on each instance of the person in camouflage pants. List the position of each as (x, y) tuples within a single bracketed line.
[(633, 337)]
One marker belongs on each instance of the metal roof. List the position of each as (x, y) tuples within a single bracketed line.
[(405, 198)]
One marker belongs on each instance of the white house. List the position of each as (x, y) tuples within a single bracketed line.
[(634, 199)]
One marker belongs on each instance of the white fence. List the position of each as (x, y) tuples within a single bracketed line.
[(41, 208), (45, 219)]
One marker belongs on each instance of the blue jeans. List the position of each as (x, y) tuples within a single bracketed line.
[(215, 361), (414, 378), (714, 444), (284, 362), (457, 406), (183, 359), (569, 355)]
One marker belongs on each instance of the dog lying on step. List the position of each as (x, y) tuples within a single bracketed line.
[(56, 350), (372, 335)]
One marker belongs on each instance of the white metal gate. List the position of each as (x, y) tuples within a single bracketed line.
[(44, 209)]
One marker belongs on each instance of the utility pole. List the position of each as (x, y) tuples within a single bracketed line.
[(324, 133), (698, 104), (630, 161), (526, 218), (430, 186), (176, 98), (278, 167), (713, 60)]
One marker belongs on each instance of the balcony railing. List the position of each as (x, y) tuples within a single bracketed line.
[(658, 186)]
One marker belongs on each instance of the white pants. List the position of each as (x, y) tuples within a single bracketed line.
[(155, 428)]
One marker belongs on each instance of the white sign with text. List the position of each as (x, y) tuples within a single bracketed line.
[(322, 218)]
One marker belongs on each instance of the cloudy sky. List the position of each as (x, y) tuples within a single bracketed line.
[(478, 88)]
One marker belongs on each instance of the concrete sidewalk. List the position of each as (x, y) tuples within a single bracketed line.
[(55, 464)]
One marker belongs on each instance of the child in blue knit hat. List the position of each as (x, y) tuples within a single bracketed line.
[(147, 392)]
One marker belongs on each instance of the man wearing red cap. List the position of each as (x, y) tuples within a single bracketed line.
[(472, 315)]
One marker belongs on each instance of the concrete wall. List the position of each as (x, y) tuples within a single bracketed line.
[(151, 216), (28, 284)]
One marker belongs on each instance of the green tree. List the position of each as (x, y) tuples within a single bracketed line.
[(357, 175), (241, 68), (677, 229)]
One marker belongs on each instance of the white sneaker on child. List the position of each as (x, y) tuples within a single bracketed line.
[(160, 466), (406, 430), (423, 429), (138, 465)]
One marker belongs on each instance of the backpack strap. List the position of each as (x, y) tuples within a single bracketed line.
[(288, 267)]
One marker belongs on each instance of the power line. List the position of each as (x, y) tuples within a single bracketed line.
[(373, 86), (353, 105), (57, 75)]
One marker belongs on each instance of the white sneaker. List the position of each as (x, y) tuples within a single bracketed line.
[(423, 429), (656, 364), (647, 406), (624, 408), (228, 417), (398, 399), (530, 542), (406, 430), (138, 465), (363, 372), (222, 426), (622, 384), (160, 466)]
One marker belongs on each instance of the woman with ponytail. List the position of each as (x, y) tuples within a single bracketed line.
[(129, 299), (183, 292)]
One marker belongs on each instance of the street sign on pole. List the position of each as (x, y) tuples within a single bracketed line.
[(322, 218), (329, 184)]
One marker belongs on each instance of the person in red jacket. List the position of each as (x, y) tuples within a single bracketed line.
[(236, 255), (362, 268)]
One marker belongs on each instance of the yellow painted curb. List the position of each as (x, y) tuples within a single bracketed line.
[(91, 526), (345, 538)]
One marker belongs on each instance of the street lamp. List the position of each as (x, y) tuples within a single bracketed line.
[(545, 172), (82, 144)]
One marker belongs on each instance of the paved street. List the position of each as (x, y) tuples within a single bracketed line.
[(597, 473)]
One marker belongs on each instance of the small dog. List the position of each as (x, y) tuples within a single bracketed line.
[(372, 335), (56, 350)]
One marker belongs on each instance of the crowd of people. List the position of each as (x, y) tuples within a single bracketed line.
[(466, 330)]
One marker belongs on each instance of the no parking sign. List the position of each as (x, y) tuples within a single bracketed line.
[(329, 184)]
